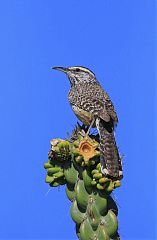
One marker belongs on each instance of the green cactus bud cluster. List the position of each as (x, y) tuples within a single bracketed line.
[(55, 175), (58, 155), (77, 164), (102, 182), (60, 149)]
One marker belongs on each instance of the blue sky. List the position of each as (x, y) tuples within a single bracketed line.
[(116, 39)]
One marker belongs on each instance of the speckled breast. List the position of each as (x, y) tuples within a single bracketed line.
[(84, 116)]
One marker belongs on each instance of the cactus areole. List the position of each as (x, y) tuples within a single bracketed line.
[(75, 162)]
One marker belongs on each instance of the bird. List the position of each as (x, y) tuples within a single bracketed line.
[(93, 107)]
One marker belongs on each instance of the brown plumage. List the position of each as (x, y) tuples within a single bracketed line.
[(92, 105)]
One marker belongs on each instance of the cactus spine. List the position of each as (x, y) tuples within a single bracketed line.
[(75, 162)]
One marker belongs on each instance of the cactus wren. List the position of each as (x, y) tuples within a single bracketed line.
[(93, 107)]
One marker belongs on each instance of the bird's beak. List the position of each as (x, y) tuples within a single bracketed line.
[(62, 69)]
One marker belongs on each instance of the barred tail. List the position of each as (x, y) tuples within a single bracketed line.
[(110, 160)]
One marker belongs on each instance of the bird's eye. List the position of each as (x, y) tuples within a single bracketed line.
[(77, 70)]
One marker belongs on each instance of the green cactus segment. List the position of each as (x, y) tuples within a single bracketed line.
[(77, 216), (86, 231), (102, 234), (70, 191), (82, 195), (110, 223), (100, 202), (87, 178), (91, 213), (71, 174), (77, 164)]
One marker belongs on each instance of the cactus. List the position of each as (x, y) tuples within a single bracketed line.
[(76, 163)]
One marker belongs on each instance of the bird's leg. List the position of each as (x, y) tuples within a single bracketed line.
[(91, 125)]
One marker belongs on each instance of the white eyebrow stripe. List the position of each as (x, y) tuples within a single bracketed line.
[(83, 69)]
